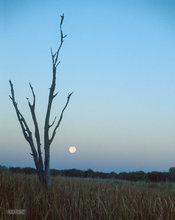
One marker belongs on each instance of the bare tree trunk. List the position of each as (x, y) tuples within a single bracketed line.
[(42, 171)]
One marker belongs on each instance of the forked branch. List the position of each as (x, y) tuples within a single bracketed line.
[(55, 63), (25, 129), (60, 119), (37, 134)]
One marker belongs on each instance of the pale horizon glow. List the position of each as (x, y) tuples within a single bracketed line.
[(118, 59)]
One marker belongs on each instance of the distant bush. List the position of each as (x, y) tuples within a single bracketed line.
[(29, 170), (172, 173), (15, 169), (157, 176), (130, 176), (3, 168)]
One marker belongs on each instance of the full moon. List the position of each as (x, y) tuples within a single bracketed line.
[(72, 149)]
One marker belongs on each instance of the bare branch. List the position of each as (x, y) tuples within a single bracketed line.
[(37, 134), (53, 55), (51, 51), (55, 63), (55, 95), (60, 119), (32, 94), (62, 18), (62, 37), (25, 129), (53, 122), (65, 36)]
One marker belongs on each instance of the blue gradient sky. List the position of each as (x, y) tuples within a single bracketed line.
[(118, 58)]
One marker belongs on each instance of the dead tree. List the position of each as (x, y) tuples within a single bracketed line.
[(43, 168)]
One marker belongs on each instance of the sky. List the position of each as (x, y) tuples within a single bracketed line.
[(118, 59)]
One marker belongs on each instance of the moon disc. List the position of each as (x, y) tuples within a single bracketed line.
[(72, 149)]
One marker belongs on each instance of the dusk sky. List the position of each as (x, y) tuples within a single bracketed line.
[(118, 59)]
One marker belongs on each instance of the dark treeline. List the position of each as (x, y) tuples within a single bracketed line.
[(131, 176)]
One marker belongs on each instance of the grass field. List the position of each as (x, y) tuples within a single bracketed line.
[(84, 199)]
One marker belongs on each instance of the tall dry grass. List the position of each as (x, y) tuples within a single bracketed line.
[(85, 199)]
